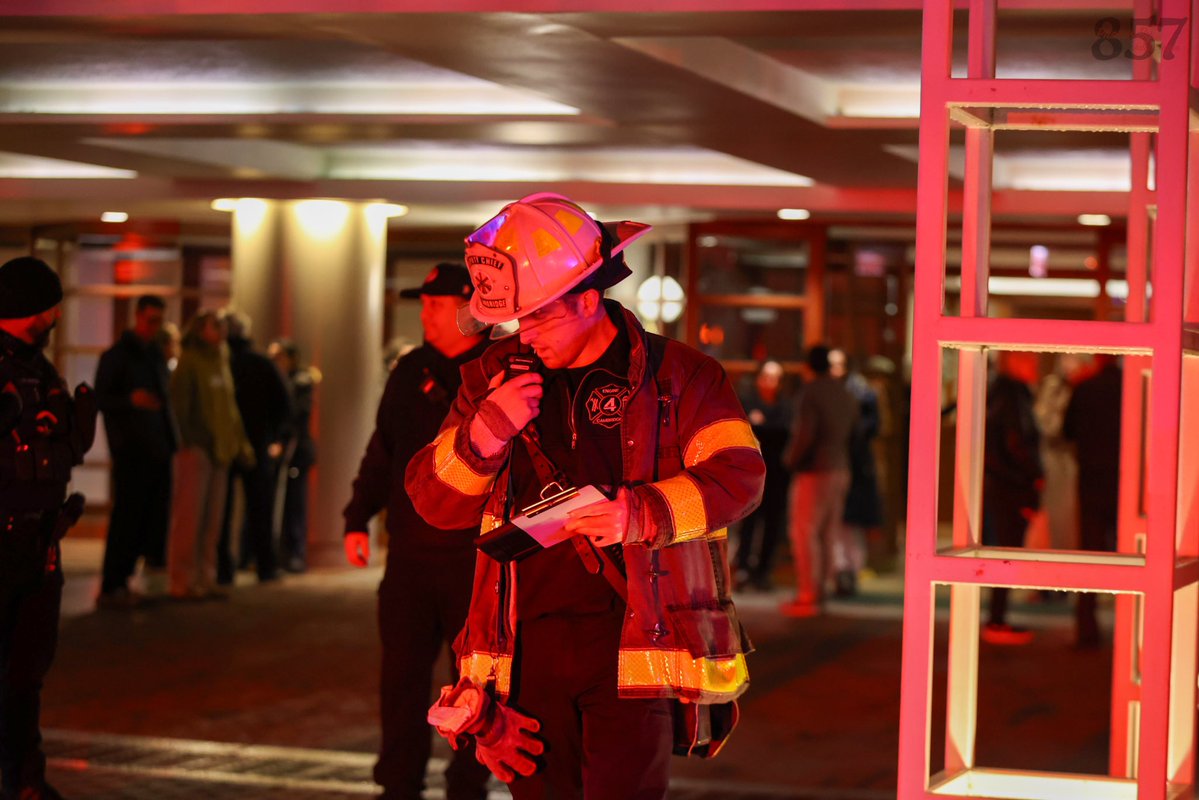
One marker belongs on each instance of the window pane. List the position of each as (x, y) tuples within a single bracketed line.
[(751, 333), (743, 265)]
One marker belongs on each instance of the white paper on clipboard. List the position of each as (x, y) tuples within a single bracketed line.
[(548, 526)]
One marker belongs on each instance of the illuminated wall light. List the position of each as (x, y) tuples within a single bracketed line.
[(660, 299), (1094, 220), (224, 204), (707, 241), (322, 219), (1043, 287), (114, 216), (794, 213), (1087, 288), (249, 213), (1038, 261)]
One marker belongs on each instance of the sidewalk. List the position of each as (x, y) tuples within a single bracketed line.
[(272, 694)]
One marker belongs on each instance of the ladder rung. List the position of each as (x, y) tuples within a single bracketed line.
[(1033, 785), (1047, 335), (1020, 568), (1024, 93)]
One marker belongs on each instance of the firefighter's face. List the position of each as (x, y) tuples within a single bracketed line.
[(559, 332)]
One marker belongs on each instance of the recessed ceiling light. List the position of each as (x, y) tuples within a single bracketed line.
[(1095, 220), (114, 216), (794, 213)]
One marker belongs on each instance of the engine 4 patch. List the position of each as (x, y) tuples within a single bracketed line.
[(605, 405)]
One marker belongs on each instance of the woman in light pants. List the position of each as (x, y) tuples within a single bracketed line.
[(211, 438)]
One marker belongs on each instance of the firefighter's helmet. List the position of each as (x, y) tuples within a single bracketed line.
[(535, 250)]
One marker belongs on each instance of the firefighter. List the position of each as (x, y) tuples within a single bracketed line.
[(575, 658), (426, 585), (44, 432)]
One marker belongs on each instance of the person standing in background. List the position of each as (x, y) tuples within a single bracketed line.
[(863, 505), (132, 391), (1012, 476), (426, 585), (1092, 423), (298, 458), (211, 438), (44, 433), (265, 407), (770, 415), (819, 455)]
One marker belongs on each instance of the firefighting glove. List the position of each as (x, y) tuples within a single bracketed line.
[(506, 744), (507, 410), (459, 710), (503, 736)]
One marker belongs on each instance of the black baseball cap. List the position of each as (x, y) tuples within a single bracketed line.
[(447, 279)]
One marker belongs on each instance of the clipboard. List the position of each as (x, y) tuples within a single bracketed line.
[(539, 526)]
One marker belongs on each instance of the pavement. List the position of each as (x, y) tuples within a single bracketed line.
[(272, 694)]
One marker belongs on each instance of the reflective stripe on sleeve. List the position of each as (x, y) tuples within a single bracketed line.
[(483, 668), (686, 504), (453, 471), (716, 436)]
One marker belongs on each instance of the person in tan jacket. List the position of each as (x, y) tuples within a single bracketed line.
[(211, 438)]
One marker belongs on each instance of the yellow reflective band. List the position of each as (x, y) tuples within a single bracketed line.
[(723, 533), (717, 436), (453, 471), (484, 667), (695, 678), (686, 504)]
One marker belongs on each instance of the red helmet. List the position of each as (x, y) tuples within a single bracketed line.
[(533, 252)]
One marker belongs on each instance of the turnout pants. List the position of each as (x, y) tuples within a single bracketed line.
[(598, 746), (423, 601)]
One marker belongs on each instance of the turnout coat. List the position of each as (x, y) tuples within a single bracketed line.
[(693, 467)]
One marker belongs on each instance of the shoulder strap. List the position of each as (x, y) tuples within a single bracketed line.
[(668, 455)]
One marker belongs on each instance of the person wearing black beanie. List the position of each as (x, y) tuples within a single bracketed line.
[(44, 432), (28, 287)]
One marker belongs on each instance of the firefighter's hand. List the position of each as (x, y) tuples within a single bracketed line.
[(507, 745), (358, 548), (507, 410), (604, 523)]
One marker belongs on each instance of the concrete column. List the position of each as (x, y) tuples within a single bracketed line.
[(313, 270)]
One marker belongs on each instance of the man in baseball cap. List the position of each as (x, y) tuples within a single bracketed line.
[(426, 586)]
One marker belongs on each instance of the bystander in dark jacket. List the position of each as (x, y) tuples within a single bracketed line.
[(133, 392), (265, 407), (1092, 423)]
